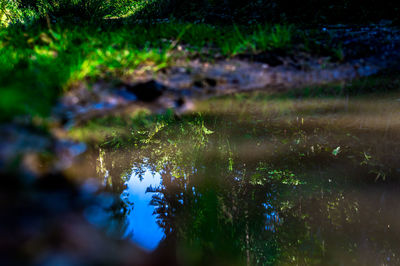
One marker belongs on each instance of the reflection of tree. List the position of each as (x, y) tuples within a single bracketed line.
[(339, 227), (204, 203), (211, 213), (220, 208), (112, 169)]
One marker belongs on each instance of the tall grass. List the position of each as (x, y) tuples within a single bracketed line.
[(263, 38), (40, 60), (82, 10)]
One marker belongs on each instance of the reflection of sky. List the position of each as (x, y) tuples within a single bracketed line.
[(272, 218), (141, 221)]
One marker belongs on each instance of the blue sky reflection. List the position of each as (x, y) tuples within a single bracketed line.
[(142, 225)]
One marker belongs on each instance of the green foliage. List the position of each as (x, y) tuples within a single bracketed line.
[(41, 62), (76, 9), (276, 37), (263, 38), (10, 12), (37, 65), (336, 151), (6, 12), (216, 11)]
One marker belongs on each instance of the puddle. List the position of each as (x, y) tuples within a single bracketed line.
[(246, 180)]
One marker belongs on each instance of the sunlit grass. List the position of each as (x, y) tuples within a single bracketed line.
[(39, 62)]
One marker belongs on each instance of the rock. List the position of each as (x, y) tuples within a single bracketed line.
[(147, 91)]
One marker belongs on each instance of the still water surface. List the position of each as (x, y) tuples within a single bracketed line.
[(249, 180), (142, 224)]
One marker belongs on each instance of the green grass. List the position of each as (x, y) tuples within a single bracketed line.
[(38, 62), (44, 54)]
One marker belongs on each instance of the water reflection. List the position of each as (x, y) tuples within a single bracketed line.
[(142, 225), (249, 185)]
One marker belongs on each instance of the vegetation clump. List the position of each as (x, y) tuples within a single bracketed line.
[(50, 46)]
